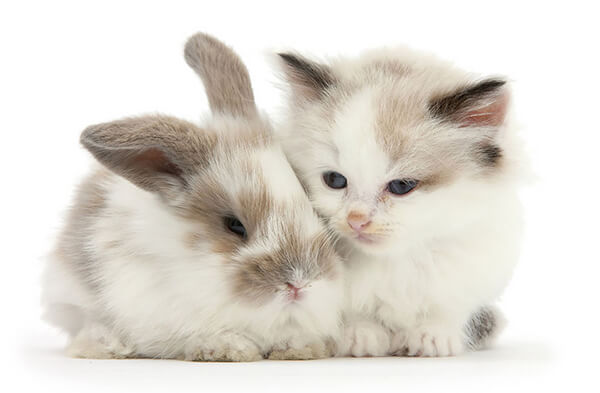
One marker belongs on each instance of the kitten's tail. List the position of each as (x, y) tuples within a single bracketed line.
[(484, 327)]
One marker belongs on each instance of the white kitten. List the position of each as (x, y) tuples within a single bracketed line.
[(414, 165)]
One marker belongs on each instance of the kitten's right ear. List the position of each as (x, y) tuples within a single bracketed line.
[(481, 104), (309, 79), (156, 153)]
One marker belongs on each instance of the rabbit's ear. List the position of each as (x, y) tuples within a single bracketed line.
[(156, 153), (225, 77)]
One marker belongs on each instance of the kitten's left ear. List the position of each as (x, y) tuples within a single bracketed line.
[(309, 79), (483, 104)]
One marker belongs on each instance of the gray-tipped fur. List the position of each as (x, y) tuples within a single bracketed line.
[(484, 326), (308, 78), (149, 151), (225, 77)]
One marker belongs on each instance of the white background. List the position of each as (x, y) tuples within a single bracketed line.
[(64, 66)]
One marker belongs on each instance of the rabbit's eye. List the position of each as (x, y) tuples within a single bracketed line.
[(402, 186), (235, 226), (335, 180)]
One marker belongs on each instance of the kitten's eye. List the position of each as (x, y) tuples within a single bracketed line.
[(335, 180), (235, 226), (402, 186)]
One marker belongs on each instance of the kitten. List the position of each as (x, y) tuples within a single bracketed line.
[(414, 164)]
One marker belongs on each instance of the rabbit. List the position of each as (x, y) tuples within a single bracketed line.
[(195, 242)]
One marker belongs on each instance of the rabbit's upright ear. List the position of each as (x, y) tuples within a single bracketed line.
[(224, 75), (156, 153)]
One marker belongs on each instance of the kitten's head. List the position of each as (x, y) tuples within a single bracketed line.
[(394, 147)]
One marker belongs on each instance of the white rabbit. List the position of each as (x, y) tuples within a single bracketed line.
[(195, 242)]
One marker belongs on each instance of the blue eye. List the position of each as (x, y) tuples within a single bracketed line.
[(335, 180), (235, 226), (402, 186)]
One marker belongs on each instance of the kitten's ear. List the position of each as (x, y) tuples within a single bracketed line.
[(483, 104), (309, 79), (155, 153)]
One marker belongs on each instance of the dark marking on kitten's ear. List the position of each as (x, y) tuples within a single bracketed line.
[(479, 105), (308, 78), (483, 327)]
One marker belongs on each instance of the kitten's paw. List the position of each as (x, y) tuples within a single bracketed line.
[(365, 338), (98, 342), (314, 350), (226, 347), (429, 342)]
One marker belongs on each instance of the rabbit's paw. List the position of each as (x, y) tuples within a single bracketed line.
[(318, 349), (226, 347), (98, 342)]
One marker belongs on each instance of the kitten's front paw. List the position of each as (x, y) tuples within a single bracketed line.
[(314, 350), (227, 347), (365, 338), (428, 342)]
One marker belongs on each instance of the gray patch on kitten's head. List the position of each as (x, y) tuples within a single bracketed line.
[(479, 105), (393, 115), (420, 107), (462, 132), (488, 154)]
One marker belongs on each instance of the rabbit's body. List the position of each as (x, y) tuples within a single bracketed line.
[(195, 243)]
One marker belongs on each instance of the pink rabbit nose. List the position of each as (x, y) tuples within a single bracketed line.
[(358, 221), (294, 291)]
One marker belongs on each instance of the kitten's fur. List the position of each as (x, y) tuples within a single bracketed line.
[(437, 255)]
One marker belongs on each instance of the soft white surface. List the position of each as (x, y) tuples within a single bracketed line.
[(526, 363), (67, 65)]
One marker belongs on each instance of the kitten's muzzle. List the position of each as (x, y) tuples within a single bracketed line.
[(358, 221)]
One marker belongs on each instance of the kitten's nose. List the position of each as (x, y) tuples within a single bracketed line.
[(358, 221), (293, 291)]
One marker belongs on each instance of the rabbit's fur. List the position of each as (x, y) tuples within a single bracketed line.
[(147, 266)]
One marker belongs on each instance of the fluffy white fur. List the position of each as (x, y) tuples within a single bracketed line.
[(438, 254), (149, 265), (162, 299)]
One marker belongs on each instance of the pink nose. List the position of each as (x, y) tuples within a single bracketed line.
[(293, 291), (358, 221)]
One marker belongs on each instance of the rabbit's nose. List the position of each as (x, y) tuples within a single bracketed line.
[(293, 291), (358, 221)]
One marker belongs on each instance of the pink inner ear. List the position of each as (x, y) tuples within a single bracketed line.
[(155, 160), (491, 115)]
